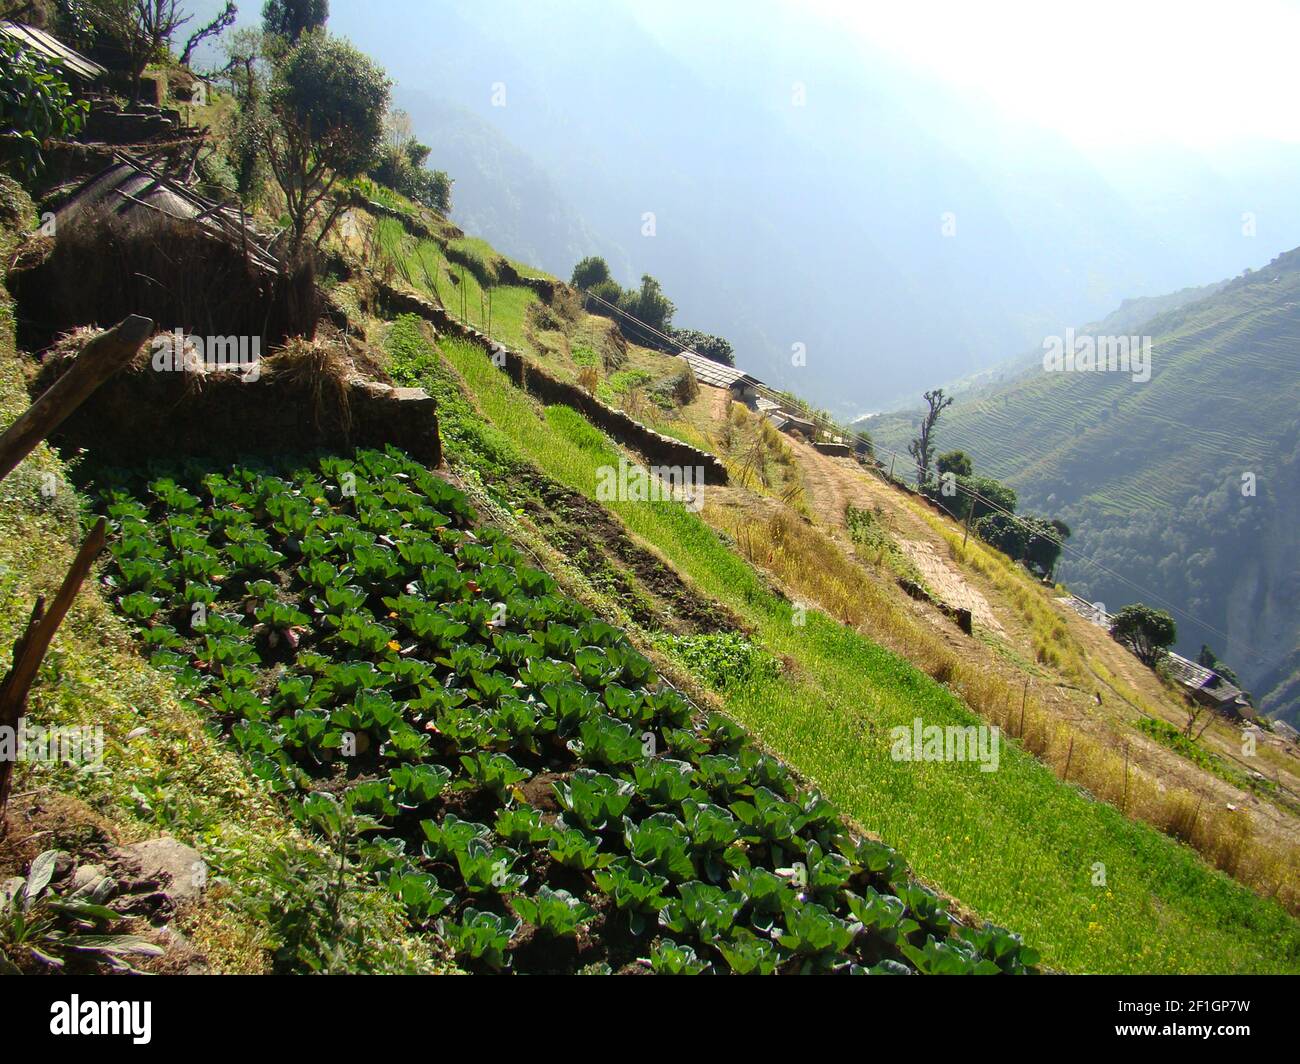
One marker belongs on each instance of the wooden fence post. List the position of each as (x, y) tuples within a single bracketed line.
[(99, 359), (30, 649)]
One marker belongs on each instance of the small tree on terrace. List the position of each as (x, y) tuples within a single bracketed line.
[(651, 306), (1045, 542), (401, 166), (1004, 533), (1146, 631), (290, 19), (590, 271), (922, 448), (327, 106), (958, 463)]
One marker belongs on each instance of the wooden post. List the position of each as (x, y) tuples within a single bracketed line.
[(1023, 699), (99, 359), (30, 650), (969, 510), (1068, 756), (892, 456)]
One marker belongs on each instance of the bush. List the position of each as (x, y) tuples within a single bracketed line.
[(723, 659), (36, 105), (706, 344)]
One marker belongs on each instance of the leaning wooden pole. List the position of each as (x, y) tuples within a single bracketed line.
[(30, 649), (99, 359)]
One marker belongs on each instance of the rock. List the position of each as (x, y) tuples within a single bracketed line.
[(62, 866), (179, 870), (87, 876)]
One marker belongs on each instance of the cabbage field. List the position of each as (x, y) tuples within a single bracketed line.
[(523, 782)]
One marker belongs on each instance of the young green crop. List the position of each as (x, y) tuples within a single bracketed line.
[(408, 678), (555, 913)]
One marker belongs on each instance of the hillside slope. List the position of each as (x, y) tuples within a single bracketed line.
[(1153, 477)]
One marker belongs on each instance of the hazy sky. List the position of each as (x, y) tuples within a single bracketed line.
[(1203, 73), (1092, 152)]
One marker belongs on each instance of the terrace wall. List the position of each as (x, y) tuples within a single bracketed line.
[(654, 447)]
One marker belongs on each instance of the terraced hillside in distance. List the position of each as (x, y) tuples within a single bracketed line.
[(1185, 486)]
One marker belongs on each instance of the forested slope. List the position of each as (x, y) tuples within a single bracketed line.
[(1154, 478)]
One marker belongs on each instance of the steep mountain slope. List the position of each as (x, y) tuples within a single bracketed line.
[(842, 187), (1184, 486), (502, 194)]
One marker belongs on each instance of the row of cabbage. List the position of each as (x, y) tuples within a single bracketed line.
[(525, 773)]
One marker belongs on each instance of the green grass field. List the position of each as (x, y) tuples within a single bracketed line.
[(1016, 845)]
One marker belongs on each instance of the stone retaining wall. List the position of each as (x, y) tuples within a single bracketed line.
[(654, 447)]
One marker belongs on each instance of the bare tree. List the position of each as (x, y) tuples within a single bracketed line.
[(922, 448), (142, 29), (222, 22)]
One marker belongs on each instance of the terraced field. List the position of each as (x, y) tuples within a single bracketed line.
[(1149, 476), (486, 751), (1015, 845)]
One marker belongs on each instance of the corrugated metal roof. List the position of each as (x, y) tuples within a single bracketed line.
[(53, 48), (766, 405), (1186, 672), (715, 373), (128, 186)]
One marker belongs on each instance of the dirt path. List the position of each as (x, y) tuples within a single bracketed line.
[(721, 405), (832, 483)]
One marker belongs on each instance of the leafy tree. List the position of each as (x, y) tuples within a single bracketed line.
[(1004, 533), (327, 104), (36, 105), (589, 272), (1045, 541), (649, 305), (247, 72), (290, 19), (1146, 631), (978, 496), (994, 496), (958, 463), (1211, 660), (402, 166), (922, 447), (706, 344)]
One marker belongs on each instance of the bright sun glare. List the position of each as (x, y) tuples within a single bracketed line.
[(1109, 71)]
